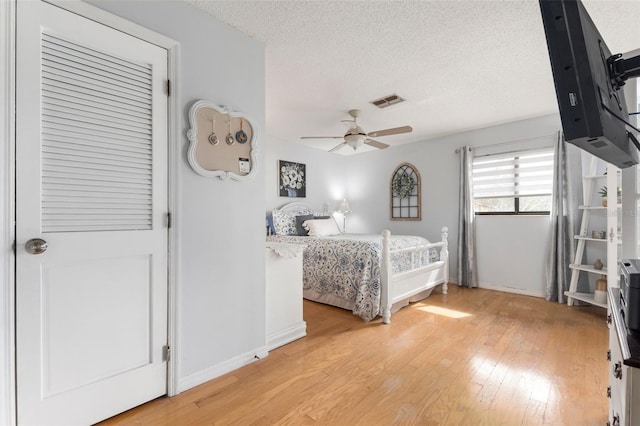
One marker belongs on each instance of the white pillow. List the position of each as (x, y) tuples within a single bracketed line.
[(321, 227)]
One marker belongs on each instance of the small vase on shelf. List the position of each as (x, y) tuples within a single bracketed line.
[(598, 264), (600, 294)]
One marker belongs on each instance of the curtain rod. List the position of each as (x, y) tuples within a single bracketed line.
[(508, 142)]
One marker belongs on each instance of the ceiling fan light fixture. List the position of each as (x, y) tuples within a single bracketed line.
[(356, 137), (355, 140)]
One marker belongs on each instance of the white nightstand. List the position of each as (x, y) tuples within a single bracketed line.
[(284, 323)]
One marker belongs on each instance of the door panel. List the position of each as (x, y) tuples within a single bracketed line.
[(91, 179), (100, 283)]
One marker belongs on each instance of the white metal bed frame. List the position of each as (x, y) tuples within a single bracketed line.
[(401, 287)]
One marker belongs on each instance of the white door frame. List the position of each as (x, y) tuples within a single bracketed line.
[(7, 188), (7, 203)]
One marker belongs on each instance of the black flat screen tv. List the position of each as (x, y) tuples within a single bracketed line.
[(591, 102)]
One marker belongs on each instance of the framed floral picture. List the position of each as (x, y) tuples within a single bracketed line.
[(292, 179)]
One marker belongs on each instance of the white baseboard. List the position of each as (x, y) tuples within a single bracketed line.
[(185, 383), (287, 335), (520, 291)]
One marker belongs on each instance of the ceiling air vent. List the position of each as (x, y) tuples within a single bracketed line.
[(387, 101)]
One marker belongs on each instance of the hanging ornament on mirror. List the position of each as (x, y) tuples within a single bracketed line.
[(241, 136), (213, 138), (229, 138)]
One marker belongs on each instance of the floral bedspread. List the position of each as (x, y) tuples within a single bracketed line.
[(348, 266)]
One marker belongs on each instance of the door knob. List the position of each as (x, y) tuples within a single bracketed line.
[(36, 246)]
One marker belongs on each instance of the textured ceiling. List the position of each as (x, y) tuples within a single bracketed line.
[(460, 65)]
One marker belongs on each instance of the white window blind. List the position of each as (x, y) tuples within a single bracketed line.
[(525, 173)]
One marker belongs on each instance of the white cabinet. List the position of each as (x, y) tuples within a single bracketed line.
[(284, 321), (624, 368)]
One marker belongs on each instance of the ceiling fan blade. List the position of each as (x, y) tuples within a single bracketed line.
[(393, 131), (321, 137), (335, 148), (376, 144)]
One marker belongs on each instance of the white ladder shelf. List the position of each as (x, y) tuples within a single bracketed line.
[(582, 238)]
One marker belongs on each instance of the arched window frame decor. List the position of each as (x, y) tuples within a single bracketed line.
[(409, 206)]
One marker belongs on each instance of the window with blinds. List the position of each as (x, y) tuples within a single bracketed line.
[(513, 183)]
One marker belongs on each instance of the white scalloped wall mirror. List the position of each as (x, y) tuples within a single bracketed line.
[(221, 142)]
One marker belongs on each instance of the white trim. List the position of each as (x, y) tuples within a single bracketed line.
[(174, 156), (503, 289), (287, 335), (519, 291), (7, 80), (106, 18), (224, 367), (7, 229)]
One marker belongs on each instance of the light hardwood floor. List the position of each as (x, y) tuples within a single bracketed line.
[(472, 357)]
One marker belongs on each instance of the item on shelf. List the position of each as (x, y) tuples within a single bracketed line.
[(600, 235), (598, 264), (600, 294), (603, 193)]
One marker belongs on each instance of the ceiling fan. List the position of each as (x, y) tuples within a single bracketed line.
[(356, 137)]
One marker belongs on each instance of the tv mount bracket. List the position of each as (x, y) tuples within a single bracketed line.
[(620, 70)]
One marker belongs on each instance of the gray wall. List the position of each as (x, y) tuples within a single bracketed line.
[(221, 280)]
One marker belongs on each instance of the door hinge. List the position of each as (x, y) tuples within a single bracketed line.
[(169, 220), (166, 353), (168, 87)]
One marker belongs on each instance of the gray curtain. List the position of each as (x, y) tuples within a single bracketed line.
[(467, 267), (565, 220)]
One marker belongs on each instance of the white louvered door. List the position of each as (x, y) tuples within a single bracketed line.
[(91, 178)]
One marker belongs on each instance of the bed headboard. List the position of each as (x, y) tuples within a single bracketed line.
[(296, 208), (291, 210)]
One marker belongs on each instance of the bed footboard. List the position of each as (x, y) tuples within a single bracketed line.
[(419, 277)]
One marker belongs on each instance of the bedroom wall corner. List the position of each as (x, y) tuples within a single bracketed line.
[(326, 174), (221, 282)]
